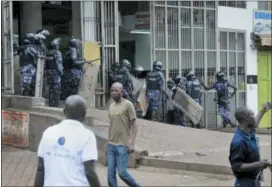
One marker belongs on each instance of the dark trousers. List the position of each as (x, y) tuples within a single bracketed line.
[(170, 117)]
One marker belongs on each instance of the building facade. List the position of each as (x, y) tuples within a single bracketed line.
[(185, 35)]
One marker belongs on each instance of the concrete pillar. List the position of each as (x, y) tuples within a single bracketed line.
[(31, 16), (76, 19)]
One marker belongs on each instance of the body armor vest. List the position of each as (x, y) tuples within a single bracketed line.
[(153, 79), (51, 60), (26, 56)]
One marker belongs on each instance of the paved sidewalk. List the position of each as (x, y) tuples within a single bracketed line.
[(19, 167)]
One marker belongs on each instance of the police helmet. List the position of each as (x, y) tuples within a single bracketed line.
[(125, 63), (157, 65), (138, 69), (170, 82), (115, 65), (177, 79), (190, 75), (72, 42), (43, 32), (220, 76), (55, 43), (26, 41)]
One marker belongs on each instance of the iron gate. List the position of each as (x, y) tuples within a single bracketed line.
[(7, 43), (185, 37), (110, 40)]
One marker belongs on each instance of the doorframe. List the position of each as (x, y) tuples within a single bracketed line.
[(259, 53)]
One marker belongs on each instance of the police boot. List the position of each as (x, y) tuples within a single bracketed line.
[(153, 115), (225, 124)]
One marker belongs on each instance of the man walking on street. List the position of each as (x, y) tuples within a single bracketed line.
[(122, 135), (67, 151), (244, 152)]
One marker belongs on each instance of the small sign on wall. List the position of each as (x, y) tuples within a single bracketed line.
[(252, 79)]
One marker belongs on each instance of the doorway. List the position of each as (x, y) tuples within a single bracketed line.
[(127, 51), (264, 85)]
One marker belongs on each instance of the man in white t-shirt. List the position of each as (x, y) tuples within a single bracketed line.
[(67, 151)]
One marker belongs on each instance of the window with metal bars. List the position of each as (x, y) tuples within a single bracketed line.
[(265, 5), (232, 57), (236, 4)]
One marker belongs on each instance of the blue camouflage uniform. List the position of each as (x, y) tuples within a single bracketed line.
[(124, 77), (223, 100), (28, 70), (54, 70), (222, 88), (72, 73), (154, 84)]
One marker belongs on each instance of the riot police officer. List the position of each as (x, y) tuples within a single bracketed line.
[(40, 36), (154, 89), (124, 77), (28, 60), (113, 72), (222, 88), (73, 66), (170, 107), (137, 71), (180, 82), (193, 87), (54, 70), (177, 113)]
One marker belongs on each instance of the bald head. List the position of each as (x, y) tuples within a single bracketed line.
[(244, 115), (116, 91), (117, 85), (75, 108)]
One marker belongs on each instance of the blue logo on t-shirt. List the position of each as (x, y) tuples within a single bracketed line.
[(61, 140)]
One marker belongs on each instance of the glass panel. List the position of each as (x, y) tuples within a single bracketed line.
[(172, 2), (186, 61), (160, 27), (161, 56), (210, 19), (160, 2), (210, 4), (241, 4), (198, 3), (185, 3), (173, 63), (173, 37), (185, 38), (241, 98), (185, 17), (211, 40), (211, 65), (199, 64), (231, 3), (241, 41), (241, 70), (232, 41), (232, 68), (222, 3), (223, 41), (223, 61), (198, 17), (210, 29), (198, 38)]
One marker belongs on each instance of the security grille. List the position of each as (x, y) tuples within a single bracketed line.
[(184, 39), (232, 62)]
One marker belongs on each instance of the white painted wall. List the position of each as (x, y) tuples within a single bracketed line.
[(242, 19), (142, 42)]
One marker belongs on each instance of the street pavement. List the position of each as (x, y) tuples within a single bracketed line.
[(19, 167)]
